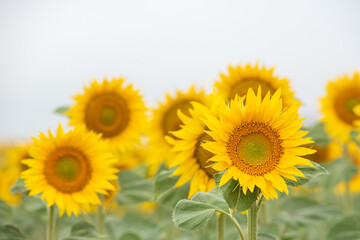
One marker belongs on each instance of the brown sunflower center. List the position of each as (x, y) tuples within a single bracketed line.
[(171, 121), (108, 114), (202, 156), (67, 169), (320, 156), (241, 87), (255, 148), (344, 104)]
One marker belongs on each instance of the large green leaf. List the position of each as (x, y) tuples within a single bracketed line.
[(83, 231), (348, 228), (165, 192), (309, 172), (130, 236), (134, 188), (194, 214), (9, 232), (234, 195), (5, 210)]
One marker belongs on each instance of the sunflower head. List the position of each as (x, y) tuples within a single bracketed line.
[(69, 169), (165, 120), (327, 153), (112, 109), (241, 78), (190, 157), (338, 106), (257, 142)]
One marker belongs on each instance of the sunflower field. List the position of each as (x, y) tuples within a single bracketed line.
[(230, 160)]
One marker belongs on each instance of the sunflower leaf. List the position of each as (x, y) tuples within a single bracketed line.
[(10, 232), (82, 231), (194, 214), (234, 195), (310, 172), (319, 134), (19, 187), (347, 228), (61, 110)]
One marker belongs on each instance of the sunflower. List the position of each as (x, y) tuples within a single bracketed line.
[(241, 78), (10, 169), (112, 109), (131, 157), (327, 153), (257, 142), (165, 119), (191, 158), (337, 106), (69, 169)]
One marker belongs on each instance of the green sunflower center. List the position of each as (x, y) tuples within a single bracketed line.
[(202, 156), (67, 169), (171, 121), (241, 87), (344, 104), (108, 114), (255, 148)]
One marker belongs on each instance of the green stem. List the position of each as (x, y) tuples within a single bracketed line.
[(221, 227), (101, 218), (237, 225), (51, 223), (347, 196), (252, 221)]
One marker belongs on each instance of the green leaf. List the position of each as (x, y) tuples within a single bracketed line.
[(5, 210), (267, 236), (9, 232), (194, 214), (165, 193), (130, 236), (309, 172), (234, 195), (19, 187), (83, 231), (348, 228), (319, 134), (354, 136), (134, 188), (62, 110)]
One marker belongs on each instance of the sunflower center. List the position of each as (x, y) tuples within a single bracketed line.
[(202, 156), (255, 148), (67, 170), (108, 114), (241, 87), (320, 156), (171, 121)]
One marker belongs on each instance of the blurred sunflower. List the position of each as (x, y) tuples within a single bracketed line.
[(327, 153), (257, 142), (242, 78), (131, 157), (10, 170), (191, 158), (112, 109), (337, 106), (165, 119), (69, 169)]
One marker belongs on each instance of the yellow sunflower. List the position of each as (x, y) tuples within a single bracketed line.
[(69, 169), (165, 119), (191, 158), (241, 78), (257, 142), (112, 109), (131, 158), (10, 169), (325, 154), (337, 106)]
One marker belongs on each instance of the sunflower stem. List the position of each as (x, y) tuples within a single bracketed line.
[(253, 221), (347, 196), (101, 215), (220, 227), (51, 223), (237, 225)]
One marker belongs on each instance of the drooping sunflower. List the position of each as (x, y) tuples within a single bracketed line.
[(191, 158), (113, 109), (241, 78), (165, 119), (69, 169), (337, 106), (10, 169), (327, 153), (257, 142)]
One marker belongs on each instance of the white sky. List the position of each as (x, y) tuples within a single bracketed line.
[(49, 49)]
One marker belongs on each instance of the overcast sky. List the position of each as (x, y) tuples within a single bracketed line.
[(49, 49)]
